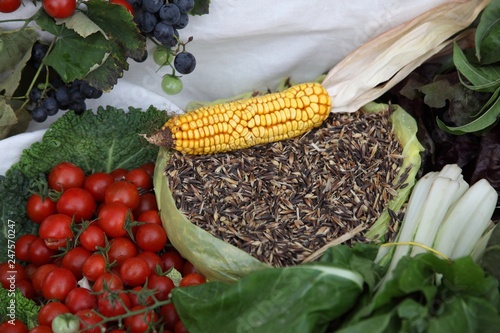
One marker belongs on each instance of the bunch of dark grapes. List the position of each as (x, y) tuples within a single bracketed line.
[(50, 97), (161, 20)]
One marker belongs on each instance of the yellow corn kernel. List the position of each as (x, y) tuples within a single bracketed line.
[(248, 122)]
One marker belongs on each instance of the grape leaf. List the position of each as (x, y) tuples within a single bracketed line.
[(200, 7), (81, 24), (106, 76), (14, 45), (73, 56), (118, 25), (487, 38), (7, 118)]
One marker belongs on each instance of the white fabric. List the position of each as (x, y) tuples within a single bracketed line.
[(245, 45)]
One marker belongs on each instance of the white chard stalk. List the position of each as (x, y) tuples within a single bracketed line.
[(446, 215)]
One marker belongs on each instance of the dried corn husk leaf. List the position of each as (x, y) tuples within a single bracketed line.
[(379, 64)]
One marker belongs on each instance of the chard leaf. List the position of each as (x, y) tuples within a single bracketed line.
[(487, 38), (117, 24), (96, 142), (293, 299), (482, 78), (464, 315)]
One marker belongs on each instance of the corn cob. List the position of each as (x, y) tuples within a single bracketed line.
[(245, 123)]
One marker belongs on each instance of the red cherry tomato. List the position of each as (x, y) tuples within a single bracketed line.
[(150, 216), (110, 280), (147, 201), (38, 208), (109, 304), (14, 326), (137, 297), (26, 288), (76, 203), (172, 259), (162, 285), (41, 329), (49, 311), (97, 183), (10, 273), (188, 268), (65, 175), (119, 174), (134, 271), (151, 237), (192, 279), (112, 219), (59, 8), (92, 238), (140, 322), (89, 317), (40, 275), (58, 283), (39, 254), (180, 328), (74, 260), (8, 6), (23, 245), (124, 192), (152, 259), (94, 266), (169, 315), (55, 230), (149, 167), (139, 177), (80, 299), (120, 249)]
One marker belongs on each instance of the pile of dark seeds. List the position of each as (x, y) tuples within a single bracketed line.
[(280, 202)]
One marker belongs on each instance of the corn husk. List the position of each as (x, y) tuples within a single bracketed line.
[(378, 65)]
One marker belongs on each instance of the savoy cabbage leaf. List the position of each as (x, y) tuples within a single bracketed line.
[(101, 141)]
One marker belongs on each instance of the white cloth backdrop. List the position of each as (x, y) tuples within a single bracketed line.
[(245, 45)]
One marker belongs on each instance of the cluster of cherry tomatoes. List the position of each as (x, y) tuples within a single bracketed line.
[(101, 258)]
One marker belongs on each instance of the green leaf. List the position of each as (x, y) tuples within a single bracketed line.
[(81, 24), (464, 315), (488, 118), (200, 7), (47, 23), (14, 191), (7, 118), (487, 38), (118, 25), (25, 309), (11, 83), (106, 76), (73, 56), (483, 78), (463, 104), (96, 142), (298, 299), (14, 46)]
